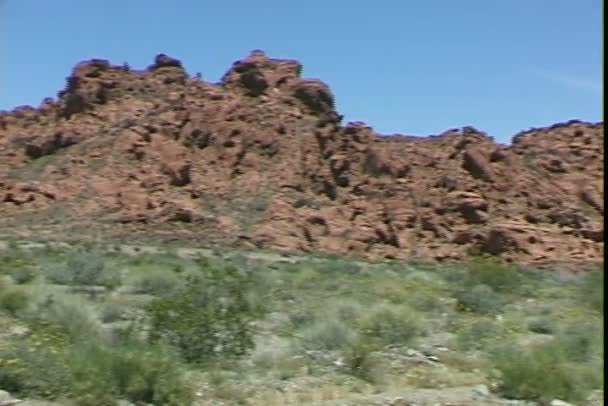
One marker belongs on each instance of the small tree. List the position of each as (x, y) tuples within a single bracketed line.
[(210, 317)]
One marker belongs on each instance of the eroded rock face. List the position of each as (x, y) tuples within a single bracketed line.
[(315, 95), (257, 73), (261, 159), (477, 165)]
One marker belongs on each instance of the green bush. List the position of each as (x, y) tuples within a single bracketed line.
[(46, 364), (347, 310), (156, 282), (478, 334), (492, 272), (84, 268), (361, 361), (480, 299), (306, 278), (300, 315), (112, 311), (277, 356), (390, 324), (102, 375), (210, 317), (5, 283), (13, 301), (425, 302), (582, 340), (24, 275), (592, 291), (20, 268), (338, 266), (73, 317), (541, 325), (327, 334), (544, 372), (34, 365)]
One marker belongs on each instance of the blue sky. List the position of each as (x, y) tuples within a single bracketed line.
[(415, 67)]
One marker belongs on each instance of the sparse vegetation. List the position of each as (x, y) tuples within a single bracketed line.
[(258, 332), (544, 372), (480, 299), (156, 282), (210, 317), (328, 334), (479, 333), (47, 364), (592, 291), (84, 269), (13, 301), (390, 324), (21, 270), (362, 362)]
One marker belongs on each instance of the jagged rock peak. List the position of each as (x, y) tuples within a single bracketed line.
[(164, 61), (257, 73)]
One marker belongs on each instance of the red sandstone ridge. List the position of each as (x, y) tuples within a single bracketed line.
[(262, 159)]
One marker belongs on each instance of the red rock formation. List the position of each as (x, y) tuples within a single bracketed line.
[(261, 159)]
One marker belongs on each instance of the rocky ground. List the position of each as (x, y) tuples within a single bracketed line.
[(262, 159)]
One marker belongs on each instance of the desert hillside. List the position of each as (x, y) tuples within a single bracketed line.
[(262, 159)]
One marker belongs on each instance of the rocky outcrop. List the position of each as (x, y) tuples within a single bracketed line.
[(257, 73), (477, 165), (262, 159)]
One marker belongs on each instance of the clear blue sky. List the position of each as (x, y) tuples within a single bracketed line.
[(415, 67)]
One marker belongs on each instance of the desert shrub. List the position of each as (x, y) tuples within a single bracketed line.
[(276, 356), (541, 325), (306, 278), (338, 266), (581, 340), (102, 375), (156, 282), (24, 275), (390, 324), (478, 334), (83, 268), (20, 268), (592, 290), (300, 316), (270, 351), (463, 361), (112, 311), (73, 317), (419, 290), (56, 273), (5, 283), (544, 372), (347, 310), (480, 299), (13, 301), (228, 386), (455, 275), (158, 260), (47, 364), (209, 317), (34, 365), (433, 378), (327, 333), (425, 302), (498, 275), (361, 361)]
